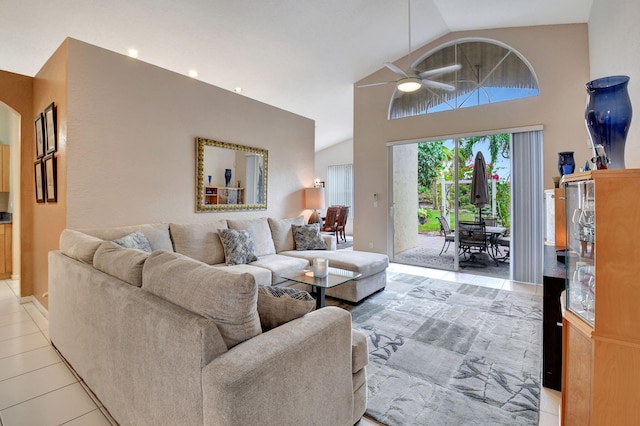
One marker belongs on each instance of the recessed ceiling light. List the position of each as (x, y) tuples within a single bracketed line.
[(193, 73), (238, 90), (133, 53)]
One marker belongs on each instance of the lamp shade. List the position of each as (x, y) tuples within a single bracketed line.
[(314, 198)]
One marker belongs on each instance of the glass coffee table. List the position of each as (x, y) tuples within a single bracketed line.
[(334, 278)]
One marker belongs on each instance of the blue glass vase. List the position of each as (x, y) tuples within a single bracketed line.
[(608, 116), (566, 164), (227, 177)]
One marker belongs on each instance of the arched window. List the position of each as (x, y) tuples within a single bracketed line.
[(491, 72)]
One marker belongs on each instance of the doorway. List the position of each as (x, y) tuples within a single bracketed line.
[(10, 125)]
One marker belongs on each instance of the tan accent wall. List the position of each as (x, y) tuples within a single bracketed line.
[(49, 219), (131, 142), (560, 58), (17, 92)]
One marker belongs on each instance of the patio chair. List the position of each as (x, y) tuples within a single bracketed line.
[(448, 234), (472, 240)]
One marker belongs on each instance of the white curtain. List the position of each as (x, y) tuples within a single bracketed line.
[(527, 204), (340, 186)]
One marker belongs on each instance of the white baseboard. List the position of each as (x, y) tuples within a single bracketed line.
[(37, 304)]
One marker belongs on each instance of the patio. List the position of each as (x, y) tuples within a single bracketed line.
[(426, 254)]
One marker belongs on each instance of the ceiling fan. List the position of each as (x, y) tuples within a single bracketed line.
[(412, 79)]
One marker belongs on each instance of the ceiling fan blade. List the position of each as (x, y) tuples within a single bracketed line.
[(376, 84), (438, 85), (438, 71), (395, 69)]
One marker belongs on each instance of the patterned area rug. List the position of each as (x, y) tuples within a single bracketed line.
[(445, 353)]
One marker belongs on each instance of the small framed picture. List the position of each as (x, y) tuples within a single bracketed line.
[(39, 179), (39, 128), (51, 178), (50, 120)]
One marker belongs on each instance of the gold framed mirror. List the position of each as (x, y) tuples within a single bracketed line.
[(230, 176)]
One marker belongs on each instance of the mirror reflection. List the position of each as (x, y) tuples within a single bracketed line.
[(230, 177)]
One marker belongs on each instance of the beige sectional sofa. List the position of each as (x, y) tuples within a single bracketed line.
[(175, 336)]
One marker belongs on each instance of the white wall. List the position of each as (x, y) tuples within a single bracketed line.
[(335, 155), (614, 34), (131, 142)]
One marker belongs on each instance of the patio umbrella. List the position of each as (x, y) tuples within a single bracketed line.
[(479, 185)]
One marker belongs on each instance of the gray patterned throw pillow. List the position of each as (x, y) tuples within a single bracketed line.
[(239, 247), (136, 240), (307, 237), (278, 305)]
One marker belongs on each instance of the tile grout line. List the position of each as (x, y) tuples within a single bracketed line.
[(40, 396)]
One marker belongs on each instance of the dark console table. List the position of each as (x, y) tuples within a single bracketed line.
[(553, 281)]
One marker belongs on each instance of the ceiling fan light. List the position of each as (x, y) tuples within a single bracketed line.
[(409, 84)]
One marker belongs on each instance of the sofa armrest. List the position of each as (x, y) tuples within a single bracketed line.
[(287, 376), (330, 241)]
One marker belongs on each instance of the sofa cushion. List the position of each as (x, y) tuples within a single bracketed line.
[(78, 245), (364, 262), (278, 305), (123, 263), (199, 241), (231, 300), (156, 233), (261, 233), (135, 240), (279, 265), (262, 276), (281, 232), (238, 246), (307, 237)]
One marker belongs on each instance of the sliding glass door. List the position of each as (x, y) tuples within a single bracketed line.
[(431, 185)]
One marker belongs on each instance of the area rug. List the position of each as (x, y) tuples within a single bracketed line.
[(445, 353)]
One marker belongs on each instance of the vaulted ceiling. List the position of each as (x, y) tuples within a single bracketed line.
[(299, 55)]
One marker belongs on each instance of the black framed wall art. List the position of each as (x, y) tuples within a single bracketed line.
[(51, 128), (39, 181), (38, 123), (51, 178)]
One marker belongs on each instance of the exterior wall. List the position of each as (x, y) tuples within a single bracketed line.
[(405, 197), (16, 91), (559, 57), (613, 39), (131, 142)]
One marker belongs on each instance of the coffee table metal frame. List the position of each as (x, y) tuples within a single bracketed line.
[(334, 278)]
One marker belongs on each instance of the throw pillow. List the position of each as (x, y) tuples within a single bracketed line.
[(307, 237), (122, 263), (238, 246), (136, 240), (261, 233), (278, 305)]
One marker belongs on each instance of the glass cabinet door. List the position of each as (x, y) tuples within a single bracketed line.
[(580, 255)]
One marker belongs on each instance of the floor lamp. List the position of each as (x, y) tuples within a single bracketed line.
[(314, 199)]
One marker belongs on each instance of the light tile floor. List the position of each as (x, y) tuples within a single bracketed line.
[(37, 387)]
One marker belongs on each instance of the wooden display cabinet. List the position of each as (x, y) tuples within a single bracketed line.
[(601, 320)]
